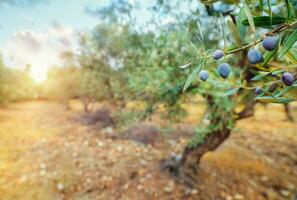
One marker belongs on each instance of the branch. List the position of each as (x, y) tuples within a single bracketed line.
[(271, 33)]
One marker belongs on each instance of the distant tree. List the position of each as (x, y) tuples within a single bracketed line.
[(61, 84), (15, 85)]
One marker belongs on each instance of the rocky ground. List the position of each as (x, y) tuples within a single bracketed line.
[(46, 154)]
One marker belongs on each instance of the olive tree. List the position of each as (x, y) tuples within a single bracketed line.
[(241, 54), (256, 63)]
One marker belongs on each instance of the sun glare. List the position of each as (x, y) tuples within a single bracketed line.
[(38, 74)]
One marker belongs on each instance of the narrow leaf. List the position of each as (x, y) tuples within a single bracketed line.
[(193, 75), (240, 27), (249, 17), (234, 32), (185, 65), (260, 76), (270, 99), (268, 56), (291, 57), (223, 30), (282, 92), (231, 92), (294, 3), (289, 43), (265, 21)]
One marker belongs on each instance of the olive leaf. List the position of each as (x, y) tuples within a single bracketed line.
[(240, 27), (196, 39), (234, 32), (185, 65), (288, 43), (265, 21), (270, 99), (193, 75), (293, 3), (268, 56), (260, 76), (250, 18)]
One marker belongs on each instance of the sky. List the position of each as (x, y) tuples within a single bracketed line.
[(36, 33)]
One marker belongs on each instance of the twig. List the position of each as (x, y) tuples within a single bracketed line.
[(271, 33)]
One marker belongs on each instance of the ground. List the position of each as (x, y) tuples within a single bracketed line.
[(45, 155)]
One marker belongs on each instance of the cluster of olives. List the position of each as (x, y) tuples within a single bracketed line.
[(224, 69), (254, 57)]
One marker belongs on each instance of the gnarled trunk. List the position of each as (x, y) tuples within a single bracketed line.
[(86, 102), (185, 169)]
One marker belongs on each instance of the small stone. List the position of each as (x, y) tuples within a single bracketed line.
[(264, 178), (285, 193), (126, 186), (60, 186), (75, 154), (228, 198), (238, 197), (148, 176), (139, 187), (168, 189), (23, 178), (194, 191), (109, 130), (86, 143), (119, 148), (291, 186), (143, 162), (142, 180), (88, 180), (100, 144), (42, 166), (42, 172)]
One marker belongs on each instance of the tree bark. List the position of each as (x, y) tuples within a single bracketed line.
[(185, 168), (86, 102), (288, 112)]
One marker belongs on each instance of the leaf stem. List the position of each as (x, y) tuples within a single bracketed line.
[(271, 33)]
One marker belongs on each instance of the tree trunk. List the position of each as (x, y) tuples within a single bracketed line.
[(185, 168), (86, 103), (288, 112), (66, 104)]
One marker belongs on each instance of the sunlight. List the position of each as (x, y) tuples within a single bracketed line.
[(38, 74)]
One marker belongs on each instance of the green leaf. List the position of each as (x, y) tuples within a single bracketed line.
[(268, 56), (291, 56), (260, 76), (270, 99), (250, 18), (240, 28), (234, 32), (185, 65), (231, 92), (265, 21), (280, 71), (289, 10), (270, 11), (288, 43), (223, 30), (193, 75), (282, 92), (293, 3), (196, 37)]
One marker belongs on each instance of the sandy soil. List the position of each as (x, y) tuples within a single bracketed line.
[(44, 154)]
